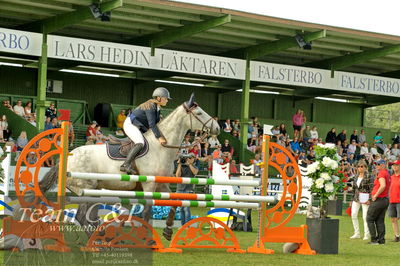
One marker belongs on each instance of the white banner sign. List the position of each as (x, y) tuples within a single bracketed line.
[(140, 57), (20, 42), (320, 78)]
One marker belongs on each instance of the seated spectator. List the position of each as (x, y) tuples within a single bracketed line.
[(295, 146), (374, 149), (71, 134), (387, 151), (7, 104), (233, 170), (28, 110), (345, 146), (257, 161), (227, 148), (364, 152), (354, 136), (51, 111), (352, 159), (48, 124), (19, 109), (378, 140), (331, 136), (352, 147), (281, 141), (227, 126), (49, 162), (235, 134), (91, 131), (213, 141), (361, 137), (307, 133), (6, 132), (100, 136), (121, 119), (22, 140), (342, 136), (55, 123), (339, 148), (282, 130), (236, 125), (217, 154), (252, 144), (275, 131), (32, 121), (314, 132), (31, 158), (395, 152), (91, 140)]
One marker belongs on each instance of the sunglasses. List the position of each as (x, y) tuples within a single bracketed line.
[(360, 166)]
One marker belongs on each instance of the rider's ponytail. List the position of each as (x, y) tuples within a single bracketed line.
[(148, 104)]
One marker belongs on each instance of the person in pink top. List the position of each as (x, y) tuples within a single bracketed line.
[(298, 121)]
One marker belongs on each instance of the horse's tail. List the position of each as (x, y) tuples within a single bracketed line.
[(49, 180)]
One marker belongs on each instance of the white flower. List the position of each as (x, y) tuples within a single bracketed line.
[(325, 176), (329, 187), (326, 161), (319, 183), (312, 168), (330, 146), (335, 179), (334, 165)]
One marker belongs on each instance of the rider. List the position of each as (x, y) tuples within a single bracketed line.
[(144, 117)]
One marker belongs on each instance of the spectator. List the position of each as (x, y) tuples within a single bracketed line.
[(4, 127), (91, 131), (55, 123), (378, 140), (295, 146), (49, 162), (217, 154), (351, 159), (19, 109), (48, 124), (342, 136), (379, 205), (307, 133), (257, 161), (185, 145), (352, 147), (213, 141), (7, 104), (233, 170), (374, 149), (186, 169), (252, 144), (361, 137), (298, 121), (227, 126), (354, 136), (395, 152), (282, 130), (364, 152), (71, 134), (236, 125), (235, 133), (100, 138), (303, 126), (394, 199), (51, 111), (227, 149), (314, 132), (31, 158), (121, 119), (362, 186), (331, 136), (345, 146), (28, 110), (339, 148), (275, 131), (32, 121), (22, 140)]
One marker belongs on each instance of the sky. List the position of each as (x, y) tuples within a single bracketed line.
[(381, 16)]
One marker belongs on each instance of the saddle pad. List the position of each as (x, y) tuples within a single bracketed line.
[(113, 151)]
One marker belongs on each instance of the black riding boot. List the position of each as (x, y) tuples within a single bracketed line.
[(127, 165)]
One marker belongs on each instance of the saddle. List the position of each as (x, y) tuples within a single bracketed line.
[(118, 149)]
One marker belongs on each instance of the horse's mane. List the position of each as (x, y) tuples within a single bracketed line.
[(165, 124)]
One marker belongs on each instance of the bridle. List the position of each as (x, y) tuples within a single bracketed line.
[(205, 128)]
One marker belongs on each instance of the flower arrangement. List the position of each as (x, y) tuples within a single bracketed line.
[(324, 172)]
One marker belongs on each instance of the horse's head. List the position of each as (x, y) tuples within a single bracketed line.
[(198, 118)]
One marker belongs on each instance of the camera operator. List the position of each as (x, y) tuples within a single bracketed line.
[(186, 168)]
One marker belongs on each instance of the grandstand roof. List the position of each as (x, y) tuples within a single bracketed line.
[(212, 31)]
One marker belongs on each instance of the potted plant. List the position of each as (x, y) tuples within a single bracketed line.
[(326, 182)]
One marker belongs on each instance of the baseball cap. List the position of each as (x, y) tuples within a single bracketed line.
[(381, 161), (396, 162)]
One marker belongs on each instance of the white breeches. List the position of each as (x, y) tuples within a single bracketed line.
[(133, 132), (355, 207)]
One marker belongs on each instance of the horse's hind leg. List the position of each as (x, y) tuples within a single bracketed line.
[(88, 217)]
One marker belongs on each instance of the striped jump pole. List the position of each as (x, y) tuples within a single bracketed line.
[(181, 196), (177, 203), (163, 179)]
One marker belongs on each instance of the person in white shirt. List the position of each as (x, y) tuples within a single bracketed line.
[(213, 141), (314, 132), (374, 150), (19, 109)]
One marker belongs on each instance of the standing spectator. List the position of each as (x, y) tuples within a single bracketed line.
[(121, 119), (297, 120), (91, 131), (394, 199), (379, 205), (303, 126), (362, 185), (28, 110), (314, 132), (227, 126), (71, 134), (331, 136), (213, 141), (51, 111), (5, 128), (361, 137), (257, 161), (354, 136), (186, 169), (342, 136), (19, 109)]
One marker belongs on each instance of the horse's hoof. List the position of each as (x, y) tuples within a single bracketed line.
[(151, 242), (167, 233)]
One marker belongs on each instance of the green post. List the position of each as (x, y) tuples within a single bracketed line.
[(41, 86), (244, 114)]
